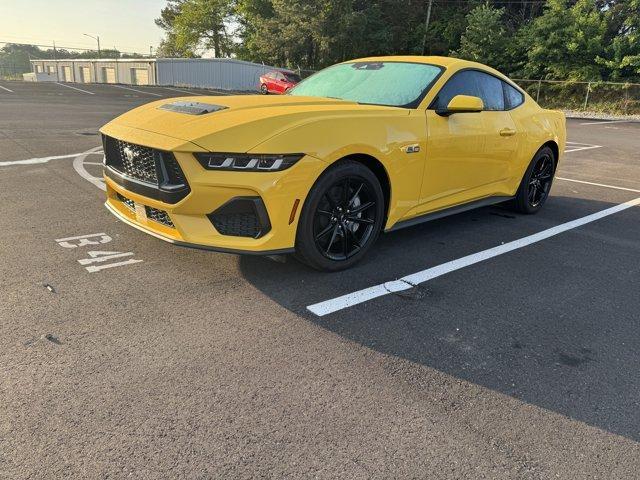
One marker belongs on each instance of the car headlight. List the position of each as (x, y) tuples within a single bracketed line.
[(256, 162)]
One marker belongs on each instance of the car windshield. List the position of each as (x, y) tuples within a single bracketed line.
[(398, 84)]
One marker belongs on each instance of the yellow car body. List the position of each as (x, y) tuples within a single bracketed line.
[(427, 162)]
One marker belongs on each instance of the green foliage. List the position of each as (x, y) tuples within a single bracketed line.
[(586, 40), (622, 56), (485, 38), (565, 41), (197, 25)]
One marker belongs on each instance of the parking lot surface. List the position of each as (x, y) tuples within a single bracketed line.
[(165, 362)]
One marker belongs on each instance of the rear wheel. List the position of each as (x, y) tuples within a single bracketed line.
[(341, 218), (536, 183), (263, 89)]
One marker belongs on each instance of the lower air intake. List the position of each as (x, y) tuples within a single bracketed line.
[(241, 217), (154, 214)]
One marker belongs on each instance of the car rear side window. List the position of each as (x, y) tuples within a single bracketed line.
[(514, 98), (475, 84)]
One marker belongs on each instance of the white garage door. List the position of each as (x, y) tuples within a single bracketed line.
[(65, 74), (140, 76), (108, 74), (85, 74)]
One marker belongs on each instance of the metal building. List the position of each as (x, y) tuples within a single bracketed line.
[(220, 73), (132, 71), (223, 73)]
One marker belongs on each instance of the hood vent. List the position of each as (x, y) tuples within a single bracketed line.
[(191, 108)]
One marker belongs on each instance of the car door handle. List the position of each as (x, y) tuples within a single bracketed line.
[(507, 132)]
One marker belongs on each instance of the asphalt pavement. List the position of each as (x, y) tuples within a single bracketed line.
[(179, 363)]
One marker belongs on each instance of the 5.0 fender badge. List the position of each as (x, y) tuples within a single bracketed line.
[(415, 148)]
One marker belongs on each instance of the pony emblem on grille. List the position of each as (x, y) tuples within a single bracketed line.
[(129, 153)]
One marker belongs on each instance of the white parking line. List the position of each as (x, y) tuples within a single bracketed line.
[(139, 91), (78, 166), (5, 88), (180, 90), (410, 281), (576, 147), (75, 88), (598, 184), (33, 161), (606, 122)]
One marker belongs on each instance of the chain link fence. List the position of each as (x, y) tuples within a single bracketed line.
[(10, 71), (614, 98)]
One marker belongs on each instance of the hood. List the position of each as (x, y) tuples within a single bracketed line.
[(236, 123)]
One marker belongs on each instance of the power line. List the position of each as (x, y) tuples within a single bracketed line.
[(63, 47)]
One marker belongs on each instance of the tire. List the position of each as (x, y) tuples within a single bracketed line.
[(337, 229), (263, 89), (536, 183)]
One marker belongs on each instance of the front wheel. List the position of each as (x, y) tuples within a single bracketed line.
[(263, 89), (341, 219), (536, 183)]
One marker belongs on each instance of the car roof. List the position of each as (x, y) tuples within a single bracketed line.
[(445, 62), (432, 59), (280, 71)]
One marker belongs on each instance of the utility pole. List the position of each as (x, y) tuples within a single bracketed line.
[(97, 38), (150, 51), (55, 60), (426, 26)]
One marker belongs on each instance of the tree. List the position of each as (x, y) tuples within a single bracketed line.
[(485, 39), (564, 42), (622, 56), (194, 25)]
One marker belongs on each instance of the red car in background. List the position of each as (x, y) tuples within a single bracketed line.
[(278, 81)]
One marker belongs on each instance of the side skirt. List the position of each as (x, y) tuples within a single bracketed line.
[(427, 217)]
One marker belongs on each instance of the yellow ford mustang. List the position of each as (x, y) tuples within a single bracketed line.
[(360, 147)]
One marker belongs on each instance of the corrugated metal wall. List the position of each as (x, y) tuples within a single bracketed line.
[(222, 73)]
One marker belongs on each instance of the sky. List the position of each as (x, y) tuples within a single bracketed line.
[(127, 25)]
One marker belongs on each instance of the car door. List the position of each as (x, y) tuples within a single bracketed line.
[(468, 154), (279, 84)]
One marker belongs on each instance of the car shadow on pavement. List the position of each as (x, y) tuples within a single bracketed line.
[(554, 325)]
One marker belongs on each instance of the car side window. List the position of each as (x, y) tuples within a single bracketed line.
[(462, 83), (490, 91), (513, 97), (279, 76), (475, 84)]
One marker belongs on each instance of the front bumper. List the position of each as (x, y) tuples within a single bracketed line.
[(189, 222)]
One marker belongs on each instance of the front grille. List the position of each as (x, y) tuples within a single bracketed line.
[(154, 214), (241, 217), (174, 172), (134, 161), (144, 170)]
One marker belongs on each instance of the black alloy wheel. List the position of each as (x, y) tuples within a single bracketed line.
[(540, 181), (342, 217), (536, 184)]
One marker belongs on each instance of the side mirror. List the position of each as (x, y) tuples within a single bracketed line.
[(462, 104)]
